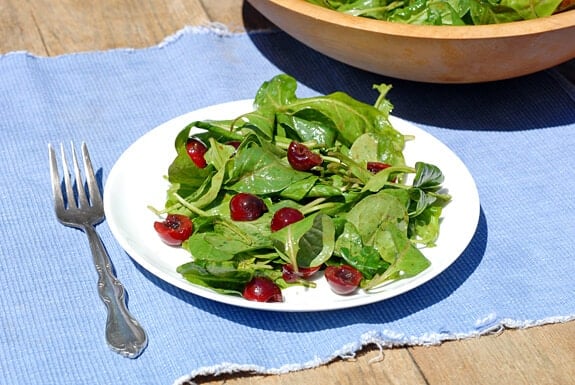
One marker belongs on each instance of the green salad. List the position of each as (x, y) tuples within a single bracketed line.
[(327, 190), (448, 12)]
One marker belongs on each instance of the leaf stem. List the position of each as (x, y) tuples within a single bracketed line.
[(310, 206), (190, 206)]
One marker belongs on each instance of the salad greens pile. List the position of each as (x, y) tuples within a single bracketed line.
[(375, 222), (448, 12)]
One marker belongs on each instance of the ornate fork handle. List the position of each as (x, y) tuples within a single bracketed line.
[(124, 334)]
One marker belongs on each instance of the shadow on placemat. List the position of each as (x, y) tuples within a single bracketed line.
[(523, 103), (385, 311)]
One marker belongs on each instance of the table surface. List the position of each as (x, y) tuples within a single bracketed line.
[(538, 355)]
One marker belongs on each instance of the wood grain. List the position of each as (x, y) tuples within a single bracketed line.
[(539, 355)]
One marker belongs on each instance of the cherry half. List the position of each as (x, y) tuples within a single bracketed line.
[(375, 167), (343, 279), (175, 229), (262, 289), (290, 275), (234, 143), (197, 151), (246, 207), (285, 216), (302, 158)]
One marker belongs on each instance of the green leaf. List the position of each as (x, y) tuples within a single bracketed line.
[(427, 176), (207, 246), (299, 189), (365, 258), (309, 242), (222, 276), (373, 211), (261, 172), (351, 117), (409, 260), (275, 93), (220, 130), (185, 172), (219, 154), (424, 228), (310, 125), (383, 178)]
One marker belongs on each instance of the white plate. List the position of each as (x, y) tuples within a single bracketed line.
[(136, 181)]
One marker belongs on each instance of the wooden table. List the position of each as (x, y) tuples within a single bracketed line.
[(542, 355)]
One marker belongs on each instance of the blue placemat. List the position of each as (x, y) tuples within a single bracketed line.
[(516, 137)]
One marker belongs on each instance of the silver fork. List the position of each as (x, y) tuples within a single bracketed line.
[(84, 210)]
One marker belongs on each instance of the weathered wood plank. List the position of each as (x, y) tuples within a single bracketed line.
[(369, 367), (539, 355)]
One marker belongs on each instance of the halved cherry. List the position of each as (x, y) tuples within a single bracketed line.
[(175, 229), (375, 167), (343, 279), (301, 158), (234, 143), (290, 275), (285, 216), (246, 207), (262, 289), (197, 150)]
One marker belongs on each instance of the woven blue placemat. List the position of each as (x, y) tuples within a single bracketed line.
[(516, 137)]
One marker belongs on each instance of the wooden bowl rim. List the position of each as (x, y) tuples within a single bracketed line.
[(513, 29)]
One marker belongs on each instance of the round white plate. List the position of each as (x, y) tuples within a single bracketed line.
[(137, 181)]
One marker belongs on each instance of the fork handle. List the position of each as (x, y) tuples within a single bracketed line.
[(124, 334)]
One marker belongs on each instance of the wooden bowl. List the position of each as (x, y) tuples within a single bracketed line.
[(434, 54)]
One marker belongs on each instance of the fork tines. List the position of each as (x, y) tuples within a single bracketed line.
[(74, 195)]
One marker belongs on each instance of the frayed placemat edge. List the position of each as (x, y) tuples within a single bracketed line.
[(382, 340)]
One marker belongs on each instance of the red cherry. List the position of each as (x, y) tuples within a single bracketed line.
[(197, 151), (343, 279), (234, 143), (376, 167), (246, 207), (261, 289), (285, 216), (175, 229), (302, 158), (289, 275)]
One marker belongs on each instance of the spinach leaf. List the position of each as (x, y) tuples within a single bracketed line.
[(424, 228), (408, 262), (260, 171), (306, 243), (310, 125), (225, 277), (365, 258), (427, 176)]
